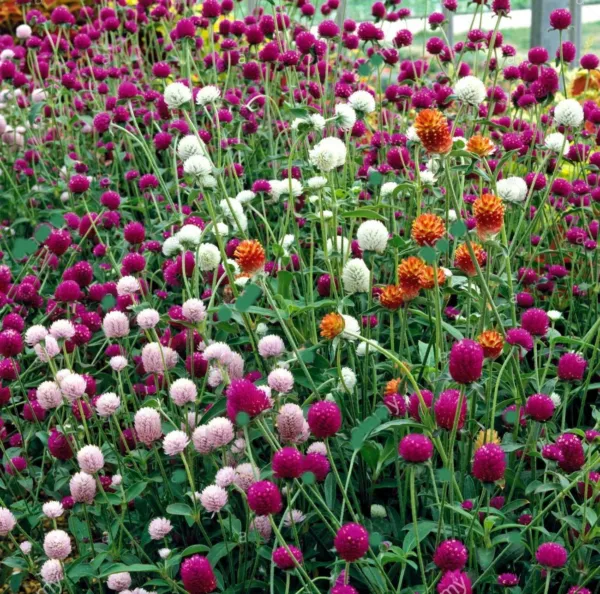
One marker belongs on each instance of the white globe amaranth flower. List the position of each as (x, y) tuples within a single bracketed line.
[(427, 177), (361, 349), (341, 245), (285, 187), (569, 113), (362, 101), (372, 236), (411, 135), (313, 122), (208, 256), (189, 146), (197, 165), (452, 216), (387, 189), (471, 90), (348, 381), (262, 329), (554, 315), (234, 211), (351, 328), (328, 154), (512, 189), (207, 94), (287, 241), (171, 246), (245, 196), (128, 285), (208, 181), (222, 229), (316, 183), (557, 142), (189, 236), (378, 511), (345, 116), (327, 214), (177, 94), (355, 276), (556, 399)]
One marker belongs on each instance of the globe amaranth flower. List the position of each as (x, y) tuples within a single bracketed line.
[(177, 94), (569, 113), (52, 571), (175, 442), (264, 498), (213, 498), (512, 189), (287, 463), (571, 367), (250, 256), (415, 448), (244, 396), (159, 528), (451, 555), (470, 90), (489, 463), (432, 130), (572, 455), (182, 391), (57, 544), (535, 321), (356, 276), (147, 425), (492, 343), (466, 361), (197, 575), (284, 560), (290, 422), (551, 555), (454, 581), (351, 542), (7, 521), (281, 380), (328, 154), (271, 346), (83, 488), (373, 236), (428, 229), (90, 459), (450, 410), (362, 102), (539, 407), (119, 581), (324, 419)]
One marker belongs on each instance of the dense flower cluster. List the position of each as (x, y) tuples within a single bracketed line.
[(286, 308)]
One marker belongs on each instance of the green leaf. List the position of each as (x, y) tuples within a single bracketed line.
[(42, 233), (364, 69), (330, 490), (485, 557), (284, 281), (195, 549), (135, 491), (376, 60), (458, 229), (428, 254), (108, 302), (180, 509), (133, 568), (224, 313), (219, 551), (364, 213), (22, 248), (251, 294)]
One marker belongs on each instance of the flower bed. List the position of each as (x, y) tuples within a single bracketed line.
[(282, 311)]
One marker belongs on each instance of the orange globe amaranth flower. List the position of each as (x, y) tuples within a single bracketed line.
[(492, 343), (428, 279), (393, 386), (392, 297), (410, 272), (463, 260), (480, 145), (488, 436), (432, 129), (427, 229), (331, 325), (250, 255), (489, 215)]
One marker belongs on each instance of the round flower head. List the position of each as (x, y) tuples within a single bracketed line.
[(551, 555), (115, 324), (171, 246), (415, 448), (264, 498), (90, 459), (489, 463), (466, 361), (220, 432), (571, 367), (35, 335), (427, 229), (73, 386), (119, 581), (290, 422), (372, 236), (470, 90), (328, 154), (7, 521), (182, 391), (49, 395), (52, 571), (83, 488), (355, 276), (324, 419), (451, 555), (508, 580), (281, 380), (351, 542), (245, 476), (287, 463), (128, 285), (446, 409), (489, 215), (107, 404), (53, 509), (175, 442), (201, 440), (244, 397), (159, 528), (197, 575), (362, 101), (207, 94), (157, 358), (57, 544), (189, 146), (557, 143), (225, 476), (147, 425), (539, 407), (26, 547), (454, 581), (176, 95), (535, 321), (213, 498), (569, 113), (512, 189), (194, 311), (345, 116), (199, 166), (147, 319), (284, 560), (572, 456), (271, 346), (62, 329), (118, 363), (492, 343), (250, 256)]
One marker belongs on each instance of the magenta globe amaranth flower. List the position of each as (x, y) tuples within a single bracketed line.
[(489, 463), (264, 498), (244, 397), (535, 321), (415, 448), (351, 542), (551, 555), (324, 419), (451, 555), (450, 410), (287, 463), (539, 407), (466, 361), (284, 560), (560, 19), (198, 576), (571, 367), (454, 582), (508, 580)]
